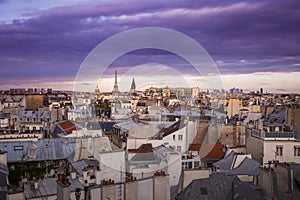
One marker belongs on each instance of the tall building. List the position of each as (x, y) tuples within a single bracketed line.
[(261, 90), (97, 92), (115, 91), (133, 87)]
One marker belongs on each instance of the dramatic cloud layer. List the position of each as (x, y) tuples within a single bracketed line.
[(48, 42)]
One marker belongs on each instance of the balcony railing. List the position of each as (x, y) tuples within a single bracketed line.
[(279, 134)]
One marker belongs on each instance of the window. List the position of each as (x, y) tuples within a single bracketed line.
[(173, 137), (18, 148), (297, 151), (196, 164), (178, 148), (179, 137), (279, 150)]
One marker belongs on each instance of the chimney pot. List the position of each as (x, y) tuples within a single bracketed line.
[(14, 188), (36, 184)]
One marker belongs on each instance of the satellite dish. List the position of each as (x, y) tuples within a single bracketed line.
[(52, 172), (12, 168)]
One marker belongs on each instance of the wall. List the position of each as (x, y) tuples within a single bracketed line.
[(254, 146), (110, 165), (161, 188), (293, 117), (63, 191), (33, 102), (131, 190), (174, 168), (108, 192), (284, 177), (144, 172), (95, 193), (253, 108), (267, 181), (73, 197), (190, 175), (233, 135), (53, 197), (234, 106), (176, 143), (145, 189), (136, 143), (288, 151), (3, 157), (201, 131), (16, 196)]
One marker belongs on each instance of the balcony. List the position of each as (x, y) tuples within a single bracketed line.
[(282, 135)]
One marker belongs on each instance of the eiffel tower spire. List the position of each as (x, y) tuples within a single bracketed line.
[(115, 91)]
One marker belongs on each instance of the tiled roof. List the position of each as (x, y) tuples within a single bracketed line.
[(67, 126), (208, 150)]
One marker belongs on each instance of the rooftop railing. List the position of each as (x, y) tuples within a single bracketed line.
[(279, 134)]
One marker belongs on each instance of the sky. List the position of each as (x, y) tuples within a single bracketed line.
[(253, 43)]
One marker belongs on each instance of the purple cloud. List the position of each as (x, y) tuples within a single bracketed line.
[(52, 43)]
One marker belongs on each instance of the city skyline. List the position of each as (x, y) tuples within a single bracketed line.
[(253, 43)]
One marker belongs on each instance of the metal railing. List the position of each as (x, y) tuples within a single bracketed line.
[(279, 134)]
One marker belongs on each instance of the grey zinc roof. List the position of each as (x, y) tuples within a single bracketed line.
[(28, 114), (81, 164), (245, 191), (226, 163), (252, 117), (47, 149), (296, 171), (161, 152), (93, 125), (4, 115), (47, 187), (276, 117), (218, 186), (247, 167), (107, 127), (130, 125), (143, 157)]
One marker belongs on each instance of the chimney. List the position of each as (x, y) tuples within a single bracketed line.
[(73, 174), (63, 188), (36, 184), (85, 173), (3, 157)]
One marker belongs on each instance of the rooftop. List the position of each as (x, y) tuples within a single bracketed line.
[(214, 151), (218, 186), (47, 149), (47, 187)]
